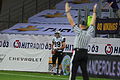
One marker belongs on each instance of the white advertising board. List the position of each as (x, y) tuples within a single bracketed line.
[(26, 52), (104, 46), (31, 52), (24, 59)]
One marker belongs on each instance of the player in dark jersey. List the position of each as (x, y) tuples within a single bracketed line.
[(58, 45)]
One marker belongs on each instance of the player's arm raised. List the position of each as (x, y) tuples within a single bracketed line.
[(69, 17)]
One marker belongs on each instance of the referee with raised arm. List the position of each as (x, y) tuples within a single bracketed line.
[(83, 35)]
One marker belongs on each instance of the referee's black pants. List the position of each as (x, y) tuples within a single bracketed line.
[(79, 58)]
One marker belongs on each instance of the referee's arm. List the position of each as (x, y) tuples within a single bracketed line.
[(67, 10), (94, 16)]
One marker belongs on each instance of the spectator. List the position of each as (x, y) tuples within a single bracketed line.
[(113, 4)]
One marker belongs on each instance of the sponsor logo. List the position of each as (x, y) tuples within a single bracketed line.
[(104, 26), (66, 65), (2, 56), (93, 48), (4, 43), (62, 30), (31, 45), (56, 14), (25, 59), (17, 43), (109, 49), (29, 28), (105, 68)]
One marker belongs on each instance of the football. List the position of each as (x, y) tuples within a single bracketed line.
[(53, 52)]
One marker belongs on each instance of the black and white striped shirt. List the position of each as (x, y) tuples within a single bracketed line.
[(82, 37)]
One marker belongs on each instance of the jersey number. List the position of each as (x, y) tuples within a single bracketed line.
[(57, 44)]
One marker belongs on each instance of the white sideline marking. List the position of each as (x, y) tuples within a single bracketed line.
[(34, 76)]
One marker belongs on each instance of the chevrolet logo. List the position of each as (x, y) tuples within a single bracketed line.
[(2, 56)]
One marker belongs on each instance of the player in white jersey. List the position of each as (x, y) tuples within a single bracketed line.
[(58, 45)]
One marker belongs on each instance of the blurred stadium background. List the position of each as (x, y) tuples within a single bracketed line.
[(26, 31)]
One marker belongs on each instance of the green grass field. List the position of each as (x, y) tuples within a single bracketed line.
[(14, 75)]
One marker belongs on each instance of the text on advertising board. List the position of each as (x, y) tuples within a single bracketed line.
[(107, 26)]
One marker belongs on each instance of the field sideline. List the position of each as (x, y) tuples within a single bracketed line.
[(14, 75)]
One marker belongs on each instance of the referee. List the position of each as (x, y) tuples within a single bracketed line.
[(83, 35)]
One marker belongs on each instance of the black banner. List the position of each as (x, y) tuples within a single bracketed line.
[(104, 66), (107, 26)]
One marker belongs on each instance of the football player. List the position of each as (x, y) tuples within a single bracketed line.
[(58, 45)]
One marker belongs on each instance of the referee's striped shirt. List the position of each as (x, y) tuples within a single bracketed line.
[(82, 37)]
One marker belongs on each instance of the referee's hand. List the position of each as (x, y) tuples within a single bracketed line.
[(67, 7), (94, 8)]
